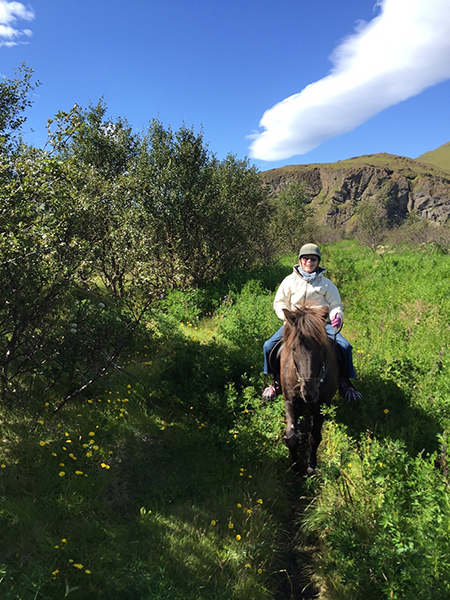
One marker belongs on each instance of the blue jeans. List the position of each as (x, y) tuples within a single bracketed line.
[(270, 344)]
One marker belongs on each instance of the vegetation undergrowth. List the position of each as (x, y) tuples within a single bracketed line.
[(169, 478)]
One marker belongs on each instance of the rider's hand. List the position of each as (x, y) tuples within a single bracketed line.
[(336, 322)]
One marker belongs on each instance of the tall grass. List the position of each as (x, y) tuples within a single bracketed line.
[(171, 480)]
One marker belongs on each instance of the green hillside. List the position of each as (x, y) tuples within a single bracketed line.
[(440, 157)]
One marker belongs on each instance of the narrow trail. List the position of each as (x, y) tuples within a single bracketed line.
[(295, 576)]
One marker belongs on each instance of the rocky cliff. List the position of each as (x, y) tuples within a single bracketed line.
[(401, 184)]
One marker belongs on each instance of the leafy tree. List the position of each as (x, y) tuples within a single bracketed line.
[(14, 100), (291, 218), (206, 216), (58, 330), (371, 222)]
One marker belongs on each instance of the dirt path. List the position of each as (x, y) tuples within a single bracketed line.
[(297, 553)]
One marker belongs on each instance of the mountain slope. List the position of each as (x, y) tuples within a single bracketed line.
[(401, 184), (440, 157)]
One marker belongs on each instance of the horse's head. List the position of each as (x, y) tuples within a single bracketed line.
[(308, 347)]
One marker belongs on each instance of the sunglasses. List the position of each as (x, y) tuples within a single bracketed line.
[(311, 258)]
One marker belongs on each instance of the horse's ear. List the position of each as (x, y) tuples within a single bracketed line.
[(324, 311), (289, 316)]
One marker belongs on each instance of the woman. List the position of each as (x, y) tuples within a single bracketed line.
[(307, 284)]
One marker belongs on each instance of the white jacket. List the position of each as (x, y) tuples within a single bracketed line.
[(294, 291)]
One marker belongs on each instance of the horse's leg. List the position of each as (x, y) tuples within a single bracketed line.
[(315, 437), (291, 438)]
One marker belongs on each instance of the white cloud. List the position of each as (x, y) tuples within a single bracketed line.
[(10, 13), (402, 51)]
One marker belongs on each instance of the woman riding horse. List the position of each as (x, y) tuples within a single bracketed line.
[(309, 380), (308, 284)]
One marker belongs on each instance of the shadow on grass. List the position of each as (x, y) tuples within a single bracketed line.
[(386, 412)]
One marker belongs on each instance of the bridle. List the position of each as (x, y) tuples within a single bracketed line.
[(319, 379)]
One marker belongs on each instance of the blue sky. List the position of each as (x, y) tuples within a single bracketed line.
[(221, 67)]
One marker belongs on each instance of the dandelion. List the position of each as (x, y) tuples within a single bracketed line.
[(41, 422), (230, 526), (259, 571), (259, 501), (386, 411), (87, 571), (64, 541), (61, 464), (78, 472), (213, 522), (61, 473), (249, 511), (42, 444), (78, 565), (55, 572), (91, 433), (95, 447), (248, 566), (88, 454), (105, 466), (381, 464), (238, 537), (239, 505), (3, 466)]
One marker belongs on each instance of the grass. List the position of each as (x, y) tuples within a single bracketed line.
[(170, 480), (136, 493), (440, 157)]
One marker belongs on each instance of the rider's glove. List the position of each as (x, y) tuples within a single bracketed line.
[(336, 322)]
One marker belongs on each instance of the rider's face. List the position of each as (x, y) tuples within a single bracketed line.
[(309, 262)]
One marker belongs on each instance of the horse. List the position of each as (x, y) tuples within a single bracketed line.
[(309, 375)]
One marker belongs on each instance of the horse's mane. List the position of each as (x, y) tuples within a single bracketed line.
[(305, 325)]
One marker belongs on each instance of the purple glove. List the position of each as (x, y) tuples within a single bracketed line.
[(336, 322)]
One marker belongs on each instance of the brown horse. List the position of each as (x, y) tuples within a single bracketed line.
[(309, 379)]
